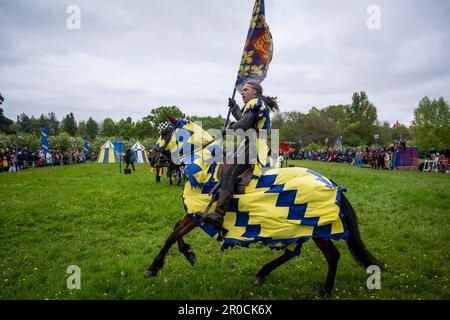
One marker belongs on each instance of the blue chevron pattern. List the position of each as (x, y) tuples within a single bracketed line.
[(286, 198), (321, 178), (242, 217)]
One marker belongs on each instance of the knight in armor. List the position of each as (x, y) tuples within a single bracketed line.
[(254, 115)]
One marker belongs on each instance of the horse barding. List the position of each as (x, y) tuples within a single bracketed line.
[(282, 209)]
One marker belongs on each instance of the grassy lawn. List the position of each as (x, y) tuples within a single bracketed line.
[(112, 226)]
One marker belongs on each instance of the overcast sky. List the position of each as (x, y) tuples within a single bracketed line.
[(130, 56)]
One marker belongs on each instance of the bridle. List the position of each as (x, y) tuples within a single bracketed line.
[(164, 154)]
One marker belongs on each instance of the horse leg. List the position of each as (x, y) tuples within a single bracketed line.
[(332, 255), (183, 228), (268, 268), (179, 177), (158, 178), (184, 248)]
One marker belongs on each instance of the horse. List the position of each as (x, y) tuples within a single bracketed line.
[(174, 171), (283, 208)]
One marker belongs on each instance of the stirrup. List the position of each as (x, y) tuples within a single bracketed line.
[(216, 224), (203, 217)]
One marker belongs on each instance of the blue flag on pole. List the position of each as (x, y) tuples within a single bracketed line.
[(44, 140), (86, 146), (258, 49)]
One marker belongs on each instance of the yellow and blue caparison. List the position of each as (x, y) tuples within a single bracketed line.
[(279, 208)]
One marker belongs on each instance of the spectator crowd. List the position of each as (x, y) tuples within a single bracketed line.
[(373, 157), (25, 158)]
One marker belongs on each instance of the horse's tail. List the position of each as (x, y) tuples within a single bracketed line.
[(354, 242)]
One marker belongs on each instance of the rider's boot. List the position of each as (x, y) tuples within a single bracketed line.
[(223, 203)]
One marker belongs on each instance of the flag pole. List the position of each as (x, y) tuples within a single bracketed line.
[(229, 109), (415, 134), (17, 136), (260, 47)]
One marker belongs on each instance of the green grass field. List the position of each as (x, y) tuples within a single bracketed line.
[(112, 226)]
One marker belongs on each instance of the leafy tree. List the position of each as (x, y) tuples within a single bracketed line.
[(318, 127), (433, 123), (69, 125), (44, 121), (81, 130), (25, 119), (148, 126), (31, 141), (109, 128), (126, 128), (209, 122), (145, 129), (52, 124), (5, 123), (362, 117), (27, 124), (385, 133), (91, 128), (149, 143), (61, 142), (158, 115), (38, 124), (337, 114)]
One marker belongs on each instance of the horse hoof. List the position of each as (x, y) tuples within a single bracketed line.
[(258, 280), (325, 292), (150, 274), (192, 259)]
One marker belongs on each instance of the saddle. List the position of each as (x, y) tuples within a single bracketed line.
[(239, 188), (241, 181)]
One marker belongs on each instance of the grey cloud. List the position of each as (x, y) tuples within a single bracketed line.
[(131, 56)]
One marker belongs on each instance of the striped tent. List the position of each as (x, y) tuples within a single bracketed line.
[(406, 158), (139, 151), (107, 153)]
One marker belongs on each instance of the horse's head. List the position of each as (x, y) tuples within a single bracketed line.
[(178, 138), (159, 154)]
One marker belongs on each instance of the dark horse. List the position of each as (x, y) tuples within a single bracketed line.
[(326, 246), (174, 171)]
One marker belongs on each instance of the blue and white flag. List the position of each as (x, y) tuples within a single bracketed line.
[(86, 146), (44, 140)]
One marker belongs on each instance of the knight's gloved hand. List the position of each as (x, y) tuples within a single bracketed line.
[(230, 126), (232, 103)]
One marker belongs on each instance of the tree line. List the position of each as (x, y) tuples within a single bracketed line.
[(357, 124), (354, 124)]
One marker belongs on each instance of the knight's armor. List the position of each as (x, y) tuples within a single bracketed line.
[(254, 115)]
